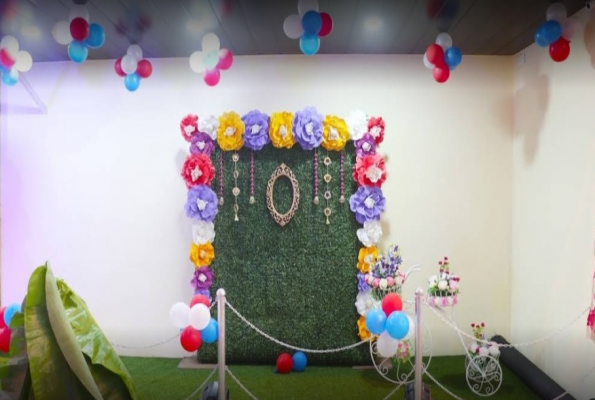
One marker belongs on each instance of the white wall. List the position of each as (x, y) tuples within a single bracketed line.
[(553, 213), (94, 186)]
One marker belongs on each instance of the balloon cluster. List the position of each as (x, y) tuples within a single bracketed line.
[(133, 68), (6, 314), (309, 26), (195, 323), (557, 32), (211, 60), (79, 34), (391, 323), (13, 60), (442, 57), (287, 363)]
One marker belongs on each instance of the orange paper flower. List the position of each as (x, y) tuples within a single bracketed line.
[(363, 332), (230, 134), (198, 170), (367, 256), (369, 170), (202, 254), (335, 134)]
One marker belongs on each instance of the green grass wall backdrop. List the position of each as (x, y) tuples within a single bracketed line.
[(297, 283)]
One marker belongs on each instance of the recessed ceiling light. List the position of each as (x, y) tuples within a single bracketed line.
[(31, 31), (373, 23)]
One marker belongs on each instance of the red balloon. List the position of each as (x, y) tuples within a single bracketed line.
[(327, 25), (435, 55), (190, 339), (284, 363), (392, 302), (6, 59), (200, 299), (118, 68), (2, 323), (560, 50), (79, 29), (225, 59), (441, 74), (144, 69), (5, 340)]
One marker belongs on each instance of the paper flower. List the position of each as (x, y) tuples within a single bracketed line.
[(376, 129), (369, 171), (209, 125), (370, 233), (189, 126), (204, 292), (257, 130), (365, 302), (198, 170), (307, 128), (201, 204), (362, 285), (280, 130), (335, 134), (201, 143), (366, 146), (362, 330), (203, 232), (357, 124), (367, 203), (211, 60), (367, 257), (203, 278), (230, 133), (202, 254)]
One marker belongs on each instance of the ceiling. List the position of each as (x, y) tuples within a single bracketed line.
[(174, 28)]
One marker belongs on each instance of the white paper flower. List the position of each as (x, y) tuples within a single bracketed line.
[(203, 232), (494, 350), (442, 285), (383, 284), (483, 351), (370, 233), (209, 125), (357, 124), (364, 303), (473, 347)]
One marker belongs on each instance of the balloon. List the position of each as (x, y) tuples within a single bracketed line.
[(61, 32), (211, 76), (210, 59), (392, 302), (96, 37), (190, 339), (569, 28), (135, 51), (453, 57), (77, 51), (327, 25), (210, 42), (552, 30), (427, 63), (225, 59), (5, 340), (10, 43), (200, 299), (397, 324), (132, 82), (540, 38), (435, 54), (196, 62), (78, 12), (179, 315), (129, 64), (309, 44), (444, 40), (144, 69), (411, 332), (200, 315), (311, 22), (10, 311), (441, 74), (299, 362), (2, 323), (118, 68), (560, 50), (292, 26), (24, 61), (376, 321), (211, 332), (6, 59), (79, 29), (386, 345), (556, 12), (10, 78), (284, 363), (307, 5)]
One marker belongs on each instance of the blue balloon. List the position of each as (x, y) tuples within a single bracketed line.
[(211, 332), (376, 321), (453, 57), (299, 362), (77, 51), (309, 44), (10, 78), (312, 22), (11, 310), (552, 30), (397, 325), (132, 81), (96, 37), (540, 37)]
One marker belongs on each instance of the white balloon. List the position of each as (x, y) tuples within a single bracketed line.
[(292, 26), (61, 32), (200, 316), (11, 44), (411, 332), (427, 63), (129, 64), (135, 51), (307, 5), (179, 315), (484, 351), (569, 28), (196, 63), (210, 42), (24, 61), (386, 345), (556, 12), (78, 11), (444, 40)]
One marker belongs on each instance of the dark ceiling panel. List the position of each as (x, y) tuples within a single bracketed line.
[(473, 21), (258, 17), (416, 22), (343, 13), (280, 10), (368, 30), (394, 16), (233, 22)]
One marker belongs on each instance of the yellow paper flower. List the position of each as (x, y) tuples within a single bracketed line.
[(280, 130), (230, 134), (202, 254), (335, 134), (367, 256), (363, 332)]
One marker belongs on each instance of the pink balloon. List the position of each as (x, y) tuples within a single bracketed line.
[(211, 76), (118, 68), (327, 25), (225, 59), (6, 59)]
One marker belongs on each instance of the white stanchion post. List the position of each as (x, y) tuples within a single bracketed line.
[(418, 386), (221, 344)]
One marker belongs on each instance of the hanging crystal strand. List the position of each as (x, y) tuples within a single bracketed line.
[(221, 177), (236, 190), (316, 200), (327, 193), (342, 178), (252, 200)]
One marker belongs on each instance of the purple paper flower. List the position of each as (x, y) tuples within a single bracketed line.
[(201, 143), (307, 128), (362, 285), (367, 204), (257, 130), (202, 203), (204, 292), (203, 278), (366, 146)]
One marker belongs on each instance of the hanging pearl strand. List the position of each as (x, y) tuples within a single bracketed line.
[(221, 178), (252, 200), (342, 185), (316, 199)]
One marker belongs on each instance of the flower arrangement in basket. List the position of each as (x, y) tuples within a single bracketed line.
[(384, 276), (444, 287), (480, 346)]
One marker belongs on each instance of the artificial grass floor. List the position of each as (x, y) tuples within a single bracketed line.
[(160, 379)]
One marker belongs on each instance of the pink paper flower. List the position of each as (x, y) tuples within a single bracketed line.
[(376, 129), (189, 126), (198, 170), (369, 171)]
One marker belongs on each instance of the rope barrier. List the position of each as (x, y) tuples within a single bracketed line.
[(192, 396)]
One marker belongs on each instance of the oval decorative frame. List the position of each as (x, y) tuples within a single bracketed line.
[(283, 171)]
